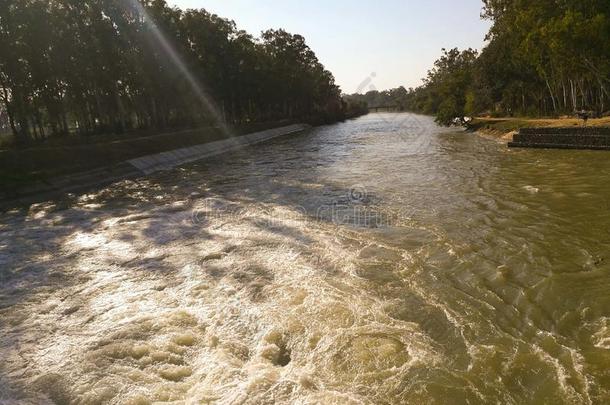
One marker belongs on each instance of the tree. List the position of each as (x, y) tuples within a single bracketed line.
[(543, 57), (110, 66)]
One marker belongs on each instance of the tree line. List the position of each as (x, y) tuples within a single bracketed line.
[(542, 58), (109, 66)]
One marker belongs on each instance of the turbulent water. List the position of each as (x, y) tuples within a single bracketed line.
[(383, 260)]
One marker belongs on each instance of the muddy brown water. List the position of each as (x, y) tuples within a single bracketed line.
[(382, 260)]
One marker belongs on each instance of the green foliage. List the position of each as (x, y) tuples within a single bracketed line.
[(448, 111), (543, 58), (99, 66), (395, 99)]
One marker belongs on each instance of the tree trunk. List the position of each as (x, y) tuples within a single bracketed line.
[(573, 94), (582, 93), (551, 93), (9, 112)]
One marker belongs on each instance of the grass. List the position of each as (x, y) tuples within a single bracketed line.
[(22, 167), (6, 139)]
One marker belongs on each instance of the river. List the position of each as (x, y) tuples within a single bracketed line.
[(382, 260)]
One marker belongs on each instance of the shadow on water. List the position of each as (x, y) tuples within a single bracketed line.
[(42, 244), (500, 255)]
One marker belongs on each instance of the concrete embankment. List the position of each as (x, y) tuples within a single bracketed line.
[(138, 167), (167, 160)]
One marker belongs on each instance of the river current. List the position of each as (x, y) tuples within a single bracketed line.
[(383, 260)]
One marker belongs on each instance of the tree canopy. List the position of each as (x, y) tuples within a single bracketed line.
[(542, 58), (98, 66)]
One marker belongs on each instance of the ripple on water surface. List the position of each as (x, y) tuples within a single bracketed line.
[(382, 260)]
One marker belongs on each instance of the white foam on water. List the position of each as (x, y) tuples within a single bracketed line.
[(195, 287), (531, 189), (243, 313)]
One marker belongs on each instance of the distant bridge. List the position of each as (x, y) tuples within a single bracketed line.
[(385, 108)]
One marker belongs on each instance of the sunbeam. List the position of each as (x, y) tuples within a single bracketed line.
[(176, 60)]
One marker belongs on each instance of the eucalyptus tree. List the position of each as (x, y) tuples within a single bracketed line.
[(110, 66), (545, 57)]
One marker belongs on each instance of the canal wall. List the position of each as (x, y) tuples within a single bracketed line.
[(138, 167), (563, 138), (168, 160)]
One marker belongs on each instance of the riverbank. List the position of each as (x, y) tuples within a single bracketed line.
[(504, 128), (37, 163), (22, 168), (135, 168)]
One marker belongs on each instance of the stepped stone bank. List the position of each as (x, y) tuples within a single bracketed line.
[(563, 138)]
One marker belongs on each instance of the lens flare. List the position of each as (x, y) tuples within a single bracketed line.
[(177, 61)]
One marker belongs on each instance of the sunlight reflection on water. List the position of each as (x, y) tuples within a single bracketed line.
[(232, 280)]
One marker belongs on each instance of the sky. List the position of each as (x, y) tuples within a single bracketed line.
[(367, 45)]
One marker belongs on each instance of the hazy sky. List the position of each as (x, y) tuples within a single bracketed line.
[(397, 40)]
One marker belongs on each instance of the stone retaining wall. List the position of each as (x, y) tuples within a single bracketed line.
[(563, 138), (581, 130)]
